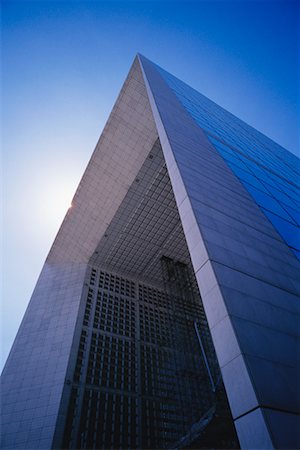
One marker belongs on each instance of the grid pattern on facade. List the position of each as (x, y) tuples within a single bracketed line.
[(107, 420), (112, 363), (134, 386), (145, 227), (114, 315)]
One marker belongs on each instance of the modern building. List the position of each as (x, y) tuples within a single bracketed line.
[(173, 279)]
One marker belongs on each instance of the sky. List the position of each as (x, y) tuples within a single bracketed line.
[(63, 65)]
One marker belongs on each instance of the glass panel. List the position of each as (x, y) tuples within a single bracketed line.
[(268, 202), (269, 172), (247, 177), (287, 230)]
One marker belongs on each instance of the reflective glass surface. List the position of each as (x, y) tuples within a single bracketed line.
[(269, 172)]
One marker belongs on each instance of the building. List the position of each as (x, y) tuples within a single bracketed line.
[(181, 244)]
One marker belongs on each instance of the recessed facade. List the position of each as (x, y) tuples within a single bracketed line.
[(167, 312)]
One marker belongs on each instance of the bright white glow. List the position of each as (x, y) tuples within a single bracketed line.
[(53, 202)]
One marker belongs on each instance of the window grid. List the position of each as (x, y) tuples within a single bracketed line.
[(139, 379)]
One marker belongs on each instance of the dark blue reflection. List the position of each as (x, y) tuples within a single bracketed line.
[(270, 173), (268, 202), (290, 232)]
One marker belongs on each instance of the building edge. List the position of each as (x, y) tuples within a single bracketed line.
[(256, 423)]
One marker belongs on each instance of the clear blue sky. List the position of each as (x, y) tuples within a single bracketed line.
[(63, 66)]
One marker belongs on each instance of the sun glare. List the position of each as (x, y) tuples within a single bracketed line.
[(56, 202)]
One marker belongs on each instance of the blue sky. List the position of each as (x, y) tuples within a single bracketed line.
[(63, 66)]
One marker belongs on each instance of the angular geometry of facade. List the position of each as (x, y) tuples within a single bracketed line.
[(173, 278)]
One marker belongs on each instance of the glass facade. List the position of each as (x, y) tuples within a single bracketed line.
[(140, 379), (270, 173)]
